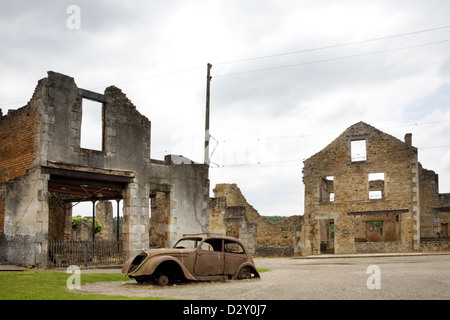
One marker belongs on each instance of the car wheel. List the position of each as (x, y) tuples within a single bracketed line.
[(162, 280), (142, 279), (245, 273)]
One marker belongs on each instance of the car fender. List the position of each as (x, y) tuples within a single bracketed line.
[(151, 264), (246, 264), (126, 266)]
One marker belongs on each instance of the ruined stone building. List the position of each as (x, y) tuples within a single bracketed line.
[(367, 192), (44, 171), (364, 192), (231, 215)]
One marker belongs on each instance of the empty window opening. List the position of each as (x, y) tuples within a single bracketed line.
[(358, 150), (376, 185), (374, 231), (91, 125), (327, 189), (233, 247), (444, 230), (377, 194)]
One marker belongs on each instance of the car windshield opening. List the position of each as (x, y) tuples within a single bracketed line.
[(187, 243)]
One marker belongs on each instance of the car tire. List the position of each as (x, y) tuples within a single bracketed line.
[(142, 279), (162, 280), (244, 273)]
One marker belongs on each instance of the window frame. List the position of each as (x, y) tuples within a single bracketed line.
[(356, 147)]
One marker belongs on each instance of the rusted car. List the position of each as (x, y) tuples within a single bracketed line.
[(193, 257)]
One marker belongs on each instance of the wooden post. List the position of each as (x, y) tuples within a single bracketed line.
[(118, 220), (207, 136), (93, 220)]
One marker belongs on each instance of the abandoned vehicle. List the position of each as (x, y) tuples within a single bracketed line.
[(196, 257)]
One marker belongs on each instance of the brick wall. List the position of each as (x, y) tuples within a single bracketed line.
[(18, 142), (2, 211), (18, 146)]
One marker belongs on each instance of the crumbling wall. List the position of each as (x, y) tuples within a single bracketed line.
[(60, 219), (105, 215), (231, 214), (189, 198), (159, 220), (435, 210), (40, 147), (352, 206), (19, 143), (23, 207), (25, 230)]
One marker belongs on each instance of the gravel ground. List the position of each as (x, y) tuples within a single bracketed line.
[(424, 277)]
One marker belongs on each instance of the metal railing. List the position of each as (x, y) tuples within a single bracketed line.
[(64, 253), (327, 246)]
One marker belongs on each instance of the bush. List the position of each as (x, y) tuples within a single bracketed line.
[(77, 220)]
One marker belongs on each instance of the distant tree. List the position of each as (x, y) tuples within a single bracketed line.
[(275, 218)]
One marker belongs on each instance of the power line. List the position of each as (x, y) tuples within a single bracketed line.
[(305, 135), (265, 163), (165, 86), (260, 163), (332, 59), (288, 53), (280, 54), (154, 76), (332, 46)]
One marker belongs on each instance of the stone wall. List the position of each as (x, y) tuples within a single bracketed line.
[(435, 245), (352, 205), (105, 215), (42, 160), (231, 214)]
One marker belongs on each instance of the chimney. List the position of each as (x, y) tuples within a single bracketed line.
[(408, 139)]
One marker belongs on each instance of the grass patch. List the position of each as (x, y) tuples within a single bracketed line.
[(47, 285), (43, 285)]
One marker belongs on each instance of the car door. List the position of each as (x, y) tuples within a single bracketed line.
[(209, 261), (235, 255)]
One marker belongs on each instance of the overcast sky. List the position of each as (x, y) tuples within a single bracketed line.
[(288, 77)]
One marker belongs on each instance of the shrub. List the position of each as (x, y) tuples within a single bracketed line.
[(77, 220)]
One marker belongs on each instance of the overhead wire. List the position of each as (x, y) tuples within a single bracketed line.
[(305, 135), (333, 46), (278, 55), (333, 59)]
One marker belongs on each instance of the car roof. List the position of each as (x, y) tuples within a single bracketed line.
[(209, 236)]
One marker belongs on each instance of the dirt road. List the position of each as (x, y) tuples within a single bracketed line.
[(424, 277)]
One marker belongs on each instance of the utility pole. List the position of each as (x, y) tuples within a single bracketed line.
[(207, 136)]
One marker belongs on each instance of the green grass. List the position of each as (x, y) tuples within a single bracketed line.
[(42, 285)]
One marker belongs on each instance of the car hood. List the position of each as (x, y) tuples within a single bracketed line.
[(164, 251)]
